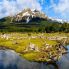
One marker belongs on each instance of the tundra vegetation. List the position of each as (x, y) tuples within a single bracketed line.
[(35, 46)]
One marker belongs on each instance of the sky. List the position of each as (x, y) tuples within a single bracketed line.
[(52, 8)]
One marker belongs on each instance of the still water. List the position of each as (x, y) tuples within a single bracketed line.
[(10, 60)]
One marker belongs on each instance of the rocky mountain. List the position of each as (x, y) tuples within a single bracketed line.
[(28, 15), (32, 20)]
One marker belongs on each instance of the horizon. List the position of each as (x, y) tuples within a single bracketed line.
[(57, 9)]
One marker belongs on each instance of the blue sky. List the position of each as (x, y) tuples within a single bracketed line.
[(52, 8)]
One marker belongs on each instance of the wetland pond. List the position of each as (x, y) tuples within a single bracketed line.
[(10, 60)]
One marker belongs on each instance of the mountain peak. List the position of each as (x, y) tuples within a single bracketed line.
[(28, 14)]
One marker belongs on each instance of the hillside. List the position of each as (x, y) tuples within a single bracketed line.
[(32, 21)]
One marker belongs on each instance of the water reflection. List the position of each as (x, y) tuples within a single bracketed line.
[(63, 63), (10, 60)]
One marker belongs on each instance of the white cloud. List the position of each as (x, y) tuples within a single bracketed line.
[(62, 7), (33, 4), (12, 7)]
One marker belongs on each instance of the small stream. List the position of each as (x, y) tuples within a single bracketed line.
[(10, 60)]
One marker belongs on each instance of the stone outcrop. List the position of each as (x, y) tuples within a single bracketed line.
[(32, 47)]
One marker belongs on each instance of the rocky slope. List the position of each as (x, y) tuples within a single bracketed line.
[(28, 15)]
